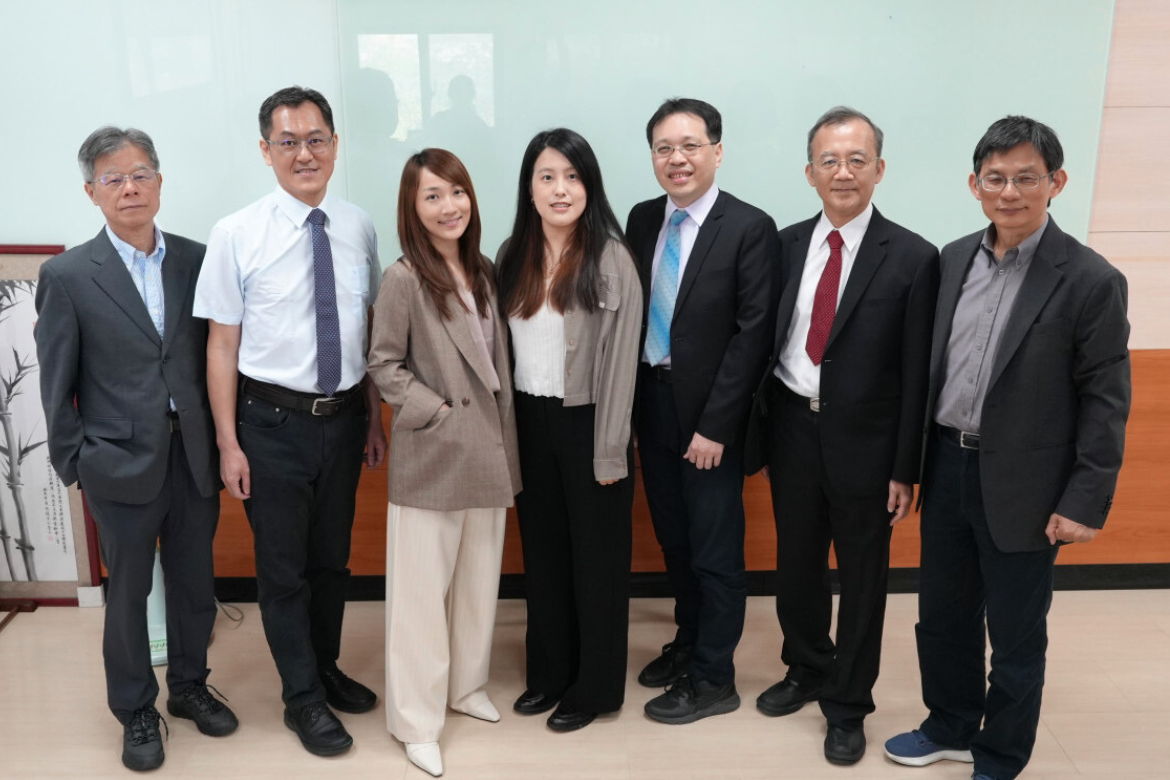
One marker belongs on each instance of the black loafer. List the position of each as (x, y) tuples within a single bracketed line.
[(786, 697), (844, 746), (533, 703), (318, 729), (142, 747), (211, 716), (345, 694), (567, 718), (687, 701), (667, 668)]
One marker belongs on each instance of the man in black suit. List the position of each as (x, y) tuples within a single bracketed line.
[(837, 423), (122, 365), (707, 262), (1029, 394)]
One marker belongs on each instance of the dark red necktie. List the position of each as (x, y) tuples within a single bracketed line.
[(825, 302)]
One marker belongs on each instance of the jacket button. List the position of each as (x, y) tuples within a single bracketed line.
[(467, 402)]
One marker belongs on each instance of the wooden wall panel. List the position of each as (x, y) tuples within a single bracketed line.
[(1139, 60), (1131, 192)]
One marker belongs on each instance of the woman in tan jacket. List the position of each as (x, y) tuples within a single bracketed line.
[(439, 358), (570, 291)]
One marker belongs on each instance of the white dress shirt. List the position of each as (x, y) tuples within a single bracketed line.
[(539, 347), (796, 368), (258, 273), (688, 231), (148, 280)]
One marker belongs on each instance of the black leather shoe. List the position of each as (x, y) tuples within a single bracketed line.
[(666, 668), (567, 718), (533, 703), (345, 694), (142, 747), (786, 697), (687, 701), (319, 729), (844, 746), (211, 716)]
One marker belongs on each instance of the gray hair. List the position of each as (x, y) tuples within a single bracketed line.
[(109, 139), (839, 115)]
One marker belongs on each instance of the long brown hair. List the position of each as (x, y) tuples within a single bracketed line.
[(432, 270)]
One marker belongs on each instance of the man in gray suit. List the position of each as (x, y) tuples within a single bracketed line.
[(123, 383), (1029, 395)]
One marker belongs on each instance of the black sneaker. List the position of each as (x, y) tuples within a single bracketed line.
[(211, 716), (344, 693), (318, 729), (687, 701), (666, 668), (142, 747)]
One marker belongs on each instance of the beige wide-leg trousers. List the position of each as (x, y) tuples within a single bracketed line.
[(442, 583)]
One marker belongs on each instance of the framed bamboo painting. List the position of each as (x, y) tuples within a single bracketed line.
[(48, 547)]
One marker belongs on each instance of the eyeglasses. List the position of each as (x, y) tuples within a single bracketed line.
[(1025, 181), (855, 163), (143, 177), (316, 145), (688, 149)]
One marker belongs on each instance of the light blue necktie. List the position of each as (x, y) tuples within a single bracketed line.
[(325, 302), (665, 291)]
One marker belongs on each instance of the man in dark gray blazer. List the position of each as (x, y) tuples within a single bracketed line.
[(123, 384), (1026, 412)]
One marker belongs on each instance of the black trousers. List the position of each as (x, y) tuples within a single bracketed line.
[(810, 515), (576, 535), (305, 472), (181, 524), (968, 586), (699, 521)]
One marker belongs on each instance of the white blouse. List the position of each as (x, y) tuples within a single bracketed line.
[(539, 344)]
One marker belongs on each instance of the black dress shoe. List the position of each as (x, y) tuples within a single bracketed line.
[(844, 746), (319, 729), (687, 701), (786, 697), (211, 716), (142, 747), (345, 694), (567, 718), (533, 703), (666, 668)]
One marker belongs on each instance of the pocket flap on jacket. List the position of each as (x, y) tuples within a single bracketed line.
[(108, 427)]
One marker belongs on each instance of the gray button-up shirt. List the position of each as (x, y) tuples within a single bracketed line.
[(985, 303)]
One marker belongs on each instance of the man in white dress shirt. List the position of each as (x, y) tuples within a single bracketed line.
[(286, 286)]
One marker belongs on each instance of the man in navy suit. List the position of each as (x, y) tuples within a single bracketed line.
[(707, 263), (837, 421)]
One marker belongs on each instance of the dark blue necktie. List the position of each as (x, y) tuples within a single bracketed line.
[(325, 300)]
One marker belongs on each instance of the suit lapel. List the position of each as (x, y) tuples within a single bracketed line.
[(111, 275), (869, 258), (792, 276), (176, 276), (703, 242), (1042, 276), (459, 330), (950, 287)]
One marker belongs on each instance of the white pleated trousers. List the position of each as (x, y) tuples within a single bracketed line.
[(442, 584)]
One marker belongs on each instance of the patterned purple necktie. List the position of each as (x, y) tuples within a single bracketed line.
[(325, 300)]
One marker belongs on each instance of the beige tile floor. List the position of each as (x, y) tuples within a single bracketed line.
[(1106, 709)]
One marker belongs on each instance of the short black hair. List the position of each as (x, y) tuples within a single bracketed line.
[(1010, 132), (839, 115), (293, 96), (676, 105)]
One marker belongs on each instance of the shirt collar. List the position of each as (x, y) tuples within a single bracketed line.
[(297, 210), (1020, 255), (127, 252), (698, 210), (851, 232)]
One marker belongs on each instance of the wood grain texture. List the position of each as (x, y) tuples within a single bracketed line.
[(1139, 58), (1130, 193)]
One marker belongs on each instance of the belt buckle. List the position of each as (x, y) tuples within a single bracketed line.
[(814, 404), (330, 406), (965, 437)]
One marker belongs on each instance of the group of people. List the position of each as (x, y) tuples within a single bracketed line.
[(842, 355)]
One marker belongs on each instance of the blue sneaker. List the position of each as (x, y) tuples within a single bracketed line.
[(915, 749)]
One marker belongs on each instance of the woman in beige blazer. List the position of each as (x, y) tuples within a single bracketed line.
[(439, 357), (570, 291)]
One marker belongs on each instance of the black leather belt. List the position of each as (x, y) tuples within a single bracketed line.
[(659, 373), (789, 396), (319, 405), (968, 441), (173, 419)]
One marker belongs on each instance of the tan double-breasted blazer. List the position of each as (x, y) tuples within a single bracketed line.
[(461, 458)]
